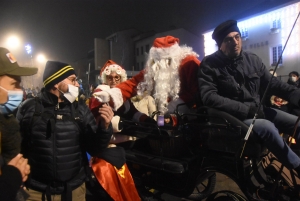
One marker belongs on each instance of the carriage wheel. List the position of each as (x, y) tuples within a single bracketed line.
[(204, 187)]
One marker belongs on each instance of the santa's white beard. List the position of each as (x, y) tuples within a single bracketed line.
[(162, 81)]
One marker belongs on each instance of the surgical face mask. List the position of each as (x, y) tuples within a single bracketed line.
[(14, 100), (294, 79), (72, 93)]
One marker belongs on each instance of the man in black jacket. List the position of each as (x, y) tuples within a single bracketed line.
[(14, 169), (57, 130), (231, 80)]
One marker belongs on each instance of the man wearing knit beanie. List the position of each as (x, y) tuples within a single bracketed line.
[(61, 130), (170, 76), (231, 80)]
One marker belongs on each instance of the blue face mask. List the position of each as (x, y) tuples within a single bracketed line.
[(14, 100)]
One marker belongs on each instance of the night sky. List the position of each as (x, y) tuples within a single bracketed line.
[(65, 29)]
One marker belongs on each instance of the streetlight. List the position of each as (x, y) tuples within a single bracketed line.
[(41, 58), (13, 42)]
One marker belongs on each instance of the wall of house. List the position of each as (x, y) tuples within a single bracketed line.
[(122, 48)]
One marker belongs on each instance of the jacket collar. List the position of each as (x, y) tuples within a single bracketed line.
[(48, 97), (228, 60)]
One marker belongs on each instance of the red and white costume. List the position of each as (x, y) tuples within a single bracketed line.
[(110, 167), (170, 77)]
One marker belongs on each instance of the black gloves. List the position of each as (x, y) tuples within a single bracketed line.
[(252, 110), (149, 120)]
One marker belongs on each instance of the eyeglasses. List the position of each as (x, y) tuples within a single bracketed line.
[(116, 78), (237, 37), (73, 80)]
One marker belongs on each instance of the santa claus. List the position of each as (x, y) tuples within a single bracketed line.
[(170, 77)]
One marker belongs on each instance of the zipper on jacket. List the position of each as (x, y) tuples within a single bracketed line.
[(54, 140)]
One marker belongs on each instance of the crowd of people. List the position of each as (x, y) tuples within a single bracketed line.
[(57, 139)]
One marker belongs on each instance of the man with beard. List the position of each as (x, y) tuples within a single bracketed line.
[(231, 80), (170, 77)]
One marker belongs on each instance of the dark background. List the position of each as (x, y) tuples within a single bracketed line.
[(65, 29)]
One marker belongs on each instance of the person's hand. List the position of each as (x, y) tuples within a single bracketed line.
[(106, 115), (22, 164)]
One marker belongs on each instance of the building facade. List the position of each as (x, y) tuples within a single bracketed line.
[(130, 48)]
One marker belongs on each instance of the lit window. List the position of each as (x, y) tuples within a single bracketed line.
[(276, 24), (244, 33), (279, 48), (276, 53)]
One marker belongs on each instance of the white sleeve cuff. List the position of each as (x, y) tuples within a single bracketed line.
[(116, 96)]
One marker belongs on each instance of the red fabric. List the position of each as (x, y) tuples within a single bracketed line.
[(188, 71), (94, 104), (164, 42), (128, 88), (108, 63), (117, 183), (174, 119)]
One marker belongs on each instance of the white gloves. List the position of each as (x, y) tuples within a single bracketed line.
[(102, 96)]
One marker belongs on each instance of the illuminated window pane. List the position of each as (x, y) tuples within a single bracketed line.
[(276, 52), (279, 53), (274, 55)]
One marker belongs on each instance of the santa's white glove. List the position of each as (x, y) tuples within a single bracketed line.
[(102, 96)]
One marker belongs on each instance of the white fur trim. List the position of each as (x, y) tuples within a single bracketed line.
[(118, 138), (164, 53), (102, 96), (103, 87), (115, 124), (136, 117), (111, 146), (116, 96), (114, 68)]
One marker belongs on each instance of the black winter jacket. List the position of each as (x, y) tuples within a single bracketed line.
[(233, 85), (55, 143), (10, 177), (10, 137)]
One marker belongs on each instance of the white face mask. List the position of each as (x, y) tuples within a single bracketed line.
[(72, 93), (294, 79)]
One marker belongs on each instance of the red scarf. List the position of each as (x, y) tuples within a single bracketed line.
[(117, 183)]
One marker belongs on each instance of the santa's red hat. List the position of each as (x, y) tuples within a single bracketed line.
[(111, 66), (164, 42), (164, 47)]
